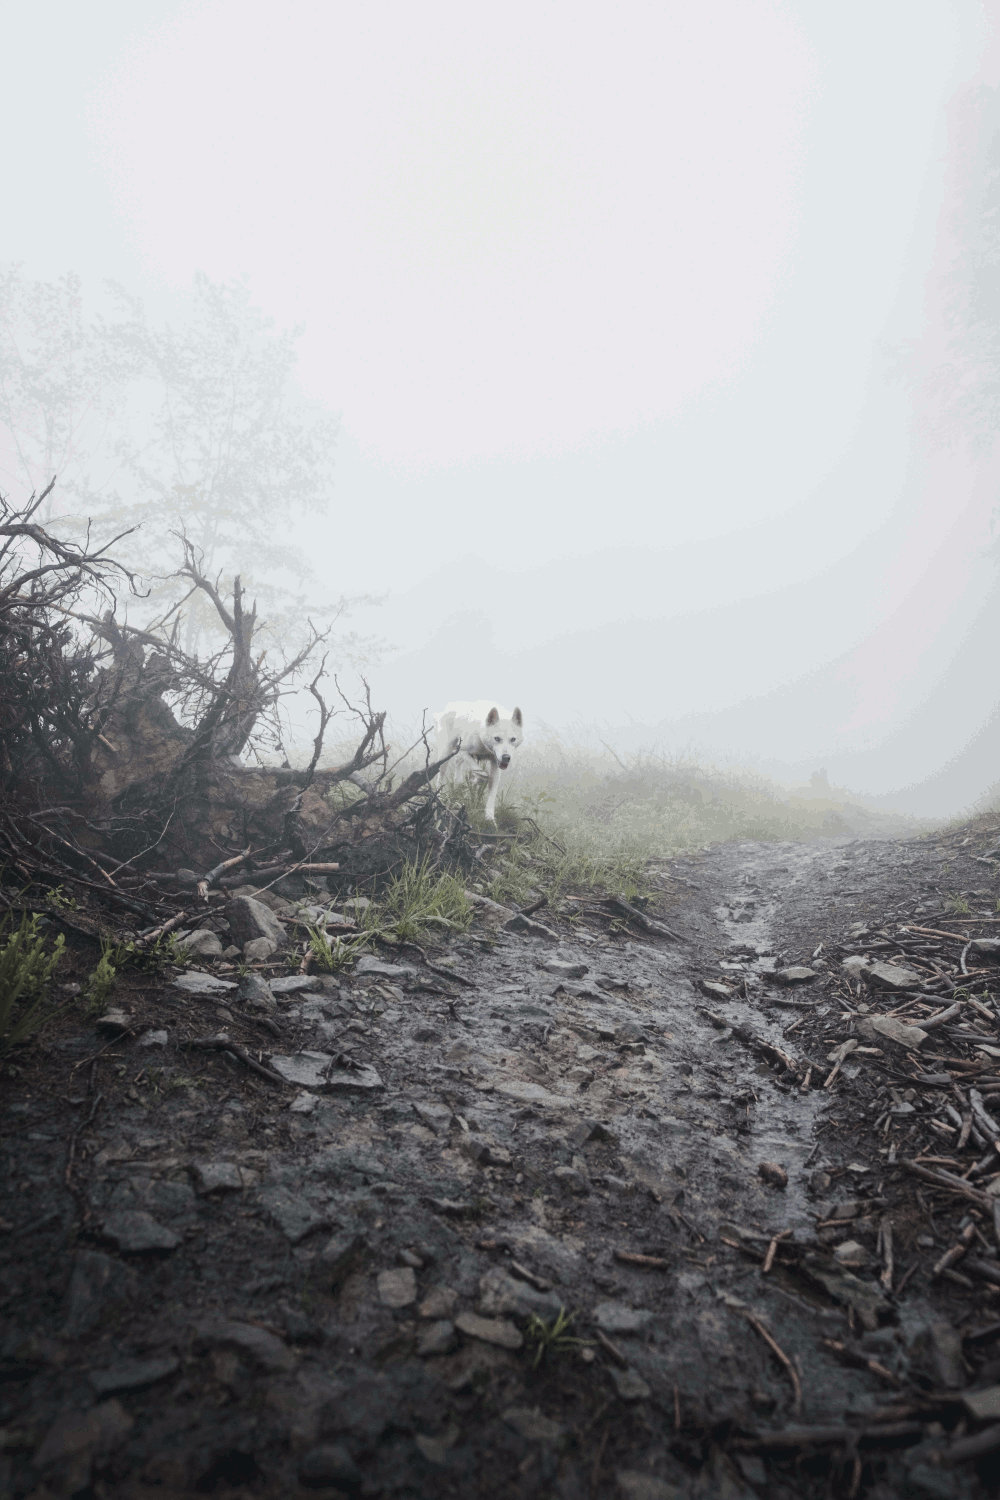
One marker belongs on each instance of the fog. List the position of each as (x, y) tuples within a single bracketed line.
[(643, 323)]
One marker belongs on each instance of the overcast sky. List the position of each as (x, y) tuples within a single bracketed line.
[(612, 302)]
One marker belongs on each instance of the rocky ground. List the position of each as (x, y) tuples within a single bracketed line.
[(579, 1209)]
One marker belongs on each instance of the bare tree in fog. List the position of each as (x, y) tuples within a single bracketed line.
[(192, 428)]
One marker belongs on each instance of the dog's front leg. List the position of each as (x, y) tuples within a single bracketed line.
[(491, 794)]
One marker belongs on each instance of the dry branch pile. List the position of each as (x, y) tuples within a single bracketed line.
[(120, 770)]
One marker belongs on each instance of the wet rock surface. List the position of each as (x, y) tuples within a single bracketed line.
[(583, 1222)]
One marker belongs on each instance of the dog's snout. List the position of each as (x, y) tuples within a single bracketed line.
[(504, 762)]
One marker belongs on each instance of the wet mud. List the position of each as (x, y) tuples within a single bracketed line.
[(547, 1217)]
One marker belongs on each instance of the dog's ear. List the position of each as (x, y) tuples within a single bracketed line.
[(516, 718), (493, 716)]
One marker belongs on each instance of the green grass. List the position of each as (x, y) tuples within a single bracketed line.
[(545, 1339), (419, 902), (27, 965)]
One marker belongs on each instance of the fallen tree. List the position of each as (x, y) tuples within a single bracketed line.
[(127, 763)]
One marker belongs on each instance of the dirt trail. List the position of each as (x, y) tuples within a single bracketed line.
[(353, 1286)]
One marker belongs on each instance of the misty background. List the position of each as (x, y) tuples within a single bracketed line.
[(648, 361)]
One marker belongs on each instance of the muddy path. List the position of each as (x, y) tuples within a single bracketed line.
[(548, 1216)]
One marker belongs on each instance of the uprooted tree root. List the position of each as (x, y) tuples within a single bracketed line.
[(120, 770)]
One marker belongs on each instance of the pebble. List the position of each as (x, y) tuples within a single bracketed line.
[(138, 1233), (221, 1176), (292, 984), (629, 1385), (154, 1039), (202, 944), (255, 992), (851, 1254), (436, 1338), (440, 1302), (564, 970), (615, 1317), (377, 966), (398, 1287), (329, 1464), (259, 950), (490, 1330), (571, 1179), (772, 1172), (501, 1295), (795, 974), (306, 1069), (528, 1422), (898, 1031)]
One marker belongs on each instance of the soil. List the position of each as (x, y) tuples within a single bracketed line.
[(586, 1232)]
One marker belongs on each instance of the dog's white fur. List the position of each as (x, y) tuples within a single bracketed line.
[(485, 736)]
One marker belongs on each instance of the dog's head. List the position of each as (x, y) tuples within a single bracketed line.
[(503, 735)]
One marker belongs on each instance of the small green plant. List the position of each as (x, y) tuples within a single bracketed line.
[(417, 901), (958, 906), (26, 969), (333, 957), (101, 979), (546, 1338), (61, 899)]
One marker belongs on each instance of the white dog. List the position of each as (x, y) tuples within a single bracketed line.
[(485, 736)]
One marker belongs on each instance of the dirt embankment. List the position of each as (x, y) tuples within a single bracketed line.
[(577, 1213)]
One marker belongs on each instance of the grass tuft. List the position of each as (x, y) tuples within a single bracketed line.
[(26, 969)]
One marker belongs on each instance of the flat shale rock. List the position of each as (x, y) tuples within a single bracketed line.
[(138, 1233), (306, 1069), (489, 1330), (615, 1317), (194, 982), (794, 974), (398, 1287), (896, 1031), (892, 976)]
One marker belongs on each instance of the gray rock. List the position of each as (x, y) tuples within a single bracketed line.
[(255, 993), (398, 1287), (892, 976), (249, 918), (531, 928), (361, 1078), (202, 944), (854, 965), (377, 967), (896, 1031), (306, 1069), (259, 950), (436, 1338), (495, 1331), (794, 974), (629, 1385), (529, 1423), (98, 1284), (852, 1254), (294, 1215), (194, 982), (531, 1093), (330, 1465), (501, 1296), (263, 1349), (75, 1437), (440, 1303), (615, 1317), (293, 984), (984, 1405), (564, 970), (154, 1039), (571, 1180), (132, 1374), (138, 1233), (436, 1116), (222, 1176), (303, 1104), (986, 947)]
